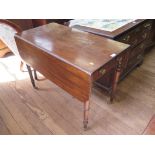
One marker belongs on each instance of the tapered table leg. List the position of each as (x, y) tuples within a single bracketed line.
[(35, 75), (86, 114), (31, 76), (116, 78)]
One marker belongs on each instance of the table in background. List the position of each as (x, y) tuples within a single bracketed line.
[(139, 34)]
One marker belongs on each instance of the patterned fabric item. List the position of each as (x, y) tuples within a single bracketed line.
[(7, 36), (102, 24)]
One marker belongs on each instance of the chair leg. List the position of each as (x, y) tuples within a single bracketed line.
[(31, 76), (21, 66)]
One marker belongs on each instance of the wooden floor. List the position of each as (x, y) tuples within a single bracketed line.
[(50, 110)]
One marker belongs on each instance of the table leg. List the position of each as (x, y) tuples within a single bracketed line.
[(86, 114), (31, 76), (35, 75), (116, 78)]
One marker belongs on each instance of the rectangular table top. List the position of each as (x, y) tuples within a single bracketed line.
[(69, 58), (82, 50)]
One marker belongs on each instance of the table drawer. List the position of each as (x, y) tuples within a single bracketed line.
[(135, 60), (103, 71), (148, 25), (132, 63), (106, 80), (105, 75), (128, 38), (137, 50)]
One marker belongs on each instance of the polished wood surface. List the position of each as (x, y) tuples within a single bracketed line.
[(50, 110), (82, 50), (69, 58)]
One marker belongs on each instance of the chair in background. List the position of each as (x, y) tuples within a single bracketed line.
[(3, 49), (7, 32)]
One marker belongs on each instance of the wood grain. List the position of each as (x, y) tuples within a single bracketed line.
[(9, 121), (67, 57), (133, 107)]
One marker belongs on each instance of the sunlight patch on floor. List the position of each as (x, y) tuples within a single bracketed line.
[(10, 69)]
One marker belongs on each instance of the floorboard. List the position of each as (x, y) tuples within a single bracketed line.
[(50, 110)]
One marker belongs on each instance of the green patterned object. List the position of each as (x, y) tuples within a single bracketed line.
[(102, 24)]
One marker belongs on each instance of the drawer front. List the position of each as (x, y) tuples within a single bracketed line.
[(105, 75), (103, 71), (106, 80), (128, 38), (135, 55), (137, 50), (134, 61), (137, 35), (148, 25)]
